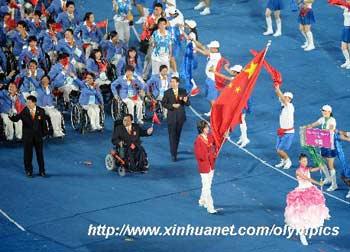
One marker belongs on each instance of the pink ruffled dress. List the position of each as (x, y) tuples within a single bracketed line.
[(305, 205)]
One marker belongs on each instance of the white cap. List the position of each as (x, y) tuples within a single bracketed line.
[(327, 108), (172, 10), (236, 68), (191, 23), (288, 94), (172, 2), (214, 44)]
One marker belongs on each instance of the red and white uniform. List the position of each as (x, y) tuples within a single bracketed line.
[(205, 153)]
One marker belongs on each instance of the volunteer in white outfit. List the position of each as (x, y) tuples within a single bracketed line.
[(214, 56), (162, 47), (328, 122), (285, 133), (122, 19), (203, 4)]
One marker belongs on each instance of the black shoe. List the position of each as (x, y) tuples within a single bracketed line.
[(174, 158), (42, 174), (29, 174)]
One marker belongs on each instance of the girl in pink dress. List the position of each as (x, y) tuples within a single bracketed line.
[(306, 207)]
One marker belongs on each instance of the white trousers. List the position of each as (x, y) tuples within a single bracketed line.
[(207, 179), (123, 30), (93, 111), (11, 128), (130, 103), (67, 89), (159, 61), (56, 120)]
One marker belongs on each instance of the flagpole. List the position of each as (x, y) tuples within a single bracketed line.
[(107, 27), (227, 131)]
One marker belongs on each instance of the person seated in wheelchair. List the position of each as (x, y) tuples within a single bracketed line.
[(45, 99), (89, 33), (61, 76), (90, 99), (74, 48), (126, 138), (11, 102), (158, 84), (113, 48), (98, 66), (129, 88), (31, 52), (30, 79)]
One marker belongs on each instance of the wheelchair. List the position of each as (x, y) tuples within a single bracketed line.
[(118, 109), (119, 160), (80, 120)]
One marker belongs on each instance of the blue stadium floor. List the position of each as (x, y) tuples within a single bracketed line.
[(56, 212)]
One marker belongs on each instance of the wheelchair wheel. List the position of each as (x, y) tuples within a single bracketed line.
[(118, 109), (102, 117), (121, 171), (111, 72), (63, 126), (110, 162), (85, 122), (76, 114)]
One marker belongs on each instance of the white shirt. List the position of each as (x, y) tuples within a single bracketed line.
[(287, 117), (213, 61), (346, 15), (330, 121)]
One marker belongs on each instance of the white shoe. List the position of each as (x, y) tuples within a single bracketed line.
[(141, 20), (346, 63), (332, 188), (199, 6), (277, 34), (244, 143), (303, 240), (239, 141), (348, 66), (304, 45), (140, 122), (348, 195), (205, 12), (281, 164), (208, 114), (58, 134), (309, 48), (268, 32), (287, 164)]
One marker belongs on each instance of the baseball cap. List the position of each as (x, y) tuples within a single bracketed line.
[(214, 44), (327, 108)]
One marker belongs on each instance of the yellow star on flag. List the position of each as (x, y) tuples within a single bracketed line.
[(251, 69), (238, 89)]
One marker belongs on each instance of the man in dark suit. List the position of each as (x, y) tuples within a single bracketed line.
[(174, 101), (128, 135), (34, 129)]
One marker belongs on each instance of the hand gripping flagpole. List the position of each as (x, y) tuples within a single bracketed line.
[(269, 42)]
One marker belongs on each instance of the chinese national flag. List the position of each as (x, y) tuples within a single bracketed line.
[(227, 109), (155, 118), (102, 24), (57, 27), (339, 3)]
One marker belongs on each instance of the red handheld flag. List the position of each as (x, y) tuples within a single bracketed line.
[(155, 118), (227, 109), (19, 106), (219, 81), (276, 76), (102, 24), (34, 2), (57, 27)]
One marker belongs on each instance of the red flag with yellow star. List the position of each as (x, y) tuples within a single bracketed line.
[(227, 109)]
